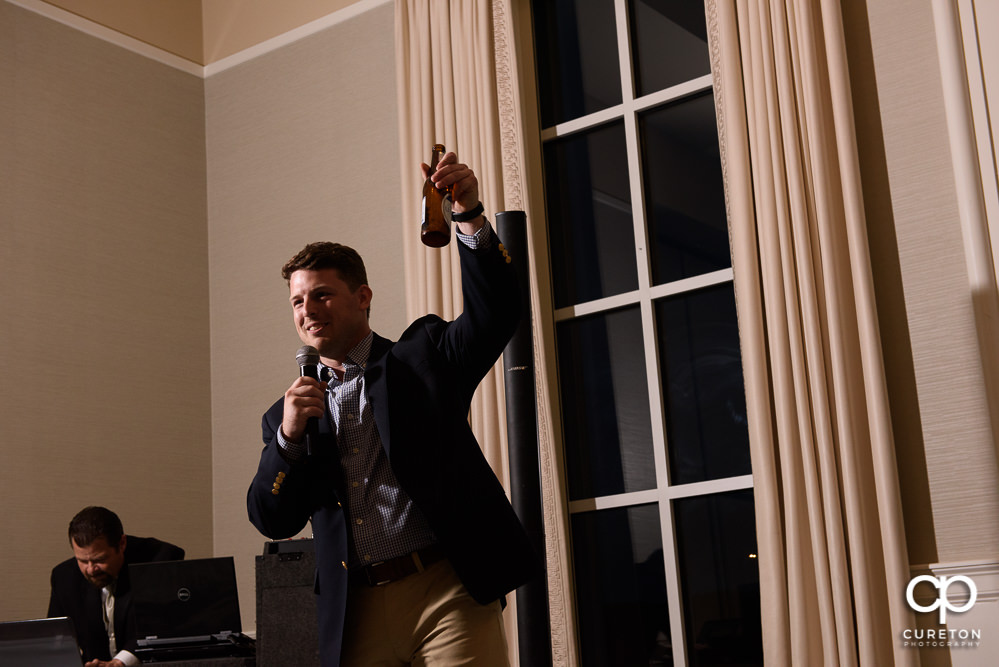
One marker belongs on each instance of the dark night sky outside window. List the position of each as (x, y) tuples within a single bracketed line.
[(654, 436)]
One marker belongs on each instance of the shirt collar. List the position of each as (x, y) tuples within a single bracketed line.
[(358, 355)]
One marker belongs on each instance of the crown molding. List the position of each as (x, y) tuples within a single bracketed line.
[(147, 50), (284, 39), (106, 34)]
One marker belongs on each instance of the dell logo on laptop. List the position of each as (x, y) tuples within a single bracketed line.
[(184, 594)]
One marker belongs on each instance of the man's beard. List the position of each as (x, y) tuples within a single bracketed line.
[(103, 581)]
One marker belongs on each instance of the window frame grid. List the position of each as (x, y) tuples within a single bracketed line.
[(645, 297)]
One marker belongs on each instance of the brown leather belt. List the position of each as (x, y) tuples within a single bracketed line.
[(394, 569)]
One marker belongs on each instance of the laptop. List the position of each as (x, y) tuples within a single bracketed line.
[(187, 609), (42, 642)]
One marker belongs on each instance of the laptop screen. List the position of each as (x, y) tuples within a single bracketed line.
[(185, 598), (43, 642)]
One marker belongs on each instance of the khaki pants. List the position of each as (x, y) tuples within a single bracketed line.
[(426, 619)]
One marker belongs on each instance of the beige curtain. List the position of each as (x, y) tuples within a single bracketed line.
[(446, 81), (833, 564), (447, 94)]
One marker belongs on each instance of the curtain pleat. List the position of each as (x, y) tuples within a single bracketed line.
[(447, 94), (446, 84), (832, 548)]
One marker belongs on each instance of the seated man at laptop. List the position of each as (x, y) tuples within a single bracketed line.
[(92, 588)]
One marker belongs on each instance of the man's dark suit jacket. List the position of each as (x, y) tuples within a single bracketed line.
[(420, 388), (74, 596)]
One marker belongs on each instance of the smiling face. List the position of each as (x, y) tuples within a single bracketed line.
[(100, 562), (328, 315)]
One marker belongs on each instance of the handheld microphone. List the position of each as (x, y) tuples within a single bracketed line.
[(308, 364)]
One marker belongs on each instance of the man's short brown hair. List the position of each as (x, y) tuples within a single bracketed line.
[(92, 523), (325, 255)]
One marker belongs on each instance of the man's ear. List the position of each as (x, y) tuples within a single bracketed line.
[(121, 543), (364, 295)]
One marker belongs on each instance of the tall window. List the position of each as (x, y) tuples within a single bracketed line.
[(650, 376)]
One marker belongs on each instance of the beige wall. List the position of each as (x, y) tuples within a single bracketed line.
[(175, 26), (202, 31), (302, 146), (104, 339), (953, 410), (234, 25), (169, 203)]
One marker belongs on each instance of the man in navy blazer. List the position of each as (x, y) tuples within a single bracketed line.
[(80, 585), (416, 542)]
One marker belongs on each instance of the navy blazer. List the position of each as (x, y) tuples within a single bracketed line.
[(420, 389), (74, 596)]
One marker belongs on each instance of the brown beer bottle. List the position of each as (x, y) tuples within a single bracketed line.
[(436, 228)]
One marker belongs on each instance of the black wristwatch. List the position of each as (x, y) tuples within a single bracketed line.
[(470, 214)]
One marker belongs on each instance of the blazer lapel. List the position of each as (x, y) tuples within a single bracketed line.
[(376, 386)]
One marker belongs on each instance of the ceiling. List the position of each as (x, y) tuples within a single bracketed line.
[(203, 31)]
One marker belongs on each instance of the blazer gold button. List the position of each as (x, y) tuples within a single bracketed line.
[(281, 475), (344, 563), (277, 485), (275, 491)]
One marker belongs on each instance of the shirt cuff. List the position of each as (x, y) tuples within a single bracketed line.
[(293, 451), (483, 238), (128, 659)]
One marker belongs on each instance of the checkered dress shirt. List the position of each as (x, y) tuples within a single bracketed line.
[(384, 522)]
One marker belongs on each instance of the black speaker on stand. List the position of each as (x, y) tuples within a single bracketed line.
[(533, 626)]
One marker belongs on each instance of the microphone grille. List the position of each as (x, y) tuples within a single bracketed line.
[(307, 356)]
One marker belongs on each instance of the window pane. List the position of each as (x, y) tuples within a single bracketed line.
[(578, 66), (701, 374), (605, 404), (621, 587), (684, 193), (592, 236), (720, 579), (669, 43)]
